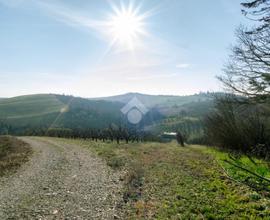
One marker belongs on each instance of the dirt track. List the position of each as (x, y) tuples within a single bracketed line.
[(60, 182)]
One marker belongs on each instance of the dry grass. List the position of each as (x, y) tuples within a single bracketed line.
[(165, 181), (13, 153)]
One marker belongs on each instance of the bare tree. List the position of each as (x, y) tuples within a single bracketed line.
[(248, 69), (258, 10), (240, 128)]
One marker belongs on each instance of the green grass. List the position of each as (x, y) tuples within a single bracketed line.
[(13, 153), (31, 112), (29, 106), (254, 165), (165, 181)]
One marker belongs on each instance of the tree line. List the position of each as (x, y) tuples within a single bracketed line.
[(111, 133)]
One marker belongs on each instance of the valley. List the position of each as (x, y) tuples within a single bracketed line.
[(36, 114), (134, 110)]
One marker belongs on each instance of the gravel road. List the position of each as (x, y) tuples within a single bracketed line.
[(60, 181)]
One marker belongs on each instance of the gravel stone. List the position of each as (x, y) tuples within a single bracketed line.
[(61, 181)]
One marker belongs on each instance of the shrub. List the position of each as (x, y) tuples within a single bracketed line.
[(239, 127)]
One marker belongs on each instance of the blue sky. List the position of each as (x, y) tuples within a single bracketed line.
[(69, 47)]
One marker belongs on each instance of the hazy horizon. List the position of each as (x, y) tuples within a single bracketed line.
[(106, 48), (94, 97)]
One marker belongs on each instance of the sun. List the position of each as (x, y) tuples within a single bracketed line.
[(126, 27)]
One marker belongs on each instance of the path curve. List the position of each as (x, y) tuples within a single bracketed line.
[(61, 181)]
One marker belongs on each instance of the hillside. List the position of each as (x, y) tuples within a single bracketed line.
[(151, 101), (29, 106), (198, 104), (51, 110)]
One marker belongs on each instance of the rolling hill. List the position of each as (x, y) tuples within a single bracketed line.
[(151, 101), (197, 104), (51, 110), (29, 106), (180, 113)]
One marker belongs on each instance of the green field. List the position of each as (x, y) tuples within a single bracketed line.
[(49, 110), (29, 106), (165, 181)]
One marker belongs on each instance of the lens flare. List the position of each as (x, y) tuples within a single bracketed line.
[(126, 27)]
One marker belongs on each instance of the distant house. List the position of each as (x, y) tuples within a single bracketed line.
[(168, 136)]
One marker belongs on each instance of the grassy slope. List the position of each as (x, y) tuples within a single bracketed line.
[(13, 153), (165, 181), (29, 106), (25, 107), (46, 110), (257, 166)]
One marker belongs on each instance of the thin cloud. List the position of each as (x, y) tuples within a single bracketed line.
[(68, 16), (102, 28), (139, 78), (182, 65)]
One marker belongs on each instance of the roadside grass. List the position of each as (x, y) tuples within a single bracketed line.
[(13, 153), (165, 181), (256, 166)]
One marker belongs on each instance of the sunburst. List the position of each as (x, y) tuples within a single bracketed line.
[(126, 27)]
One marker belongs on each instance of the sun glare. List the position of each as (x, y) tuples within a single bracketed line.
[(126, 27)]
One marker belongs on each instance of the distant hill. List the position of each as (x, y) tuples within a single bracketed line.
[(51, 110), (29, 106), (180, 113), (166, 104), (151, 101)]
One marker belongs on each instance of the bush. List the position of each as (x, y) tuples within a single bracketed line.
[(13, 153), (239, 127)]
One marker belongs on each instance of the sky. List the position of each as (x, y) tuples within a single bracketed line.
[(95, 48)]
